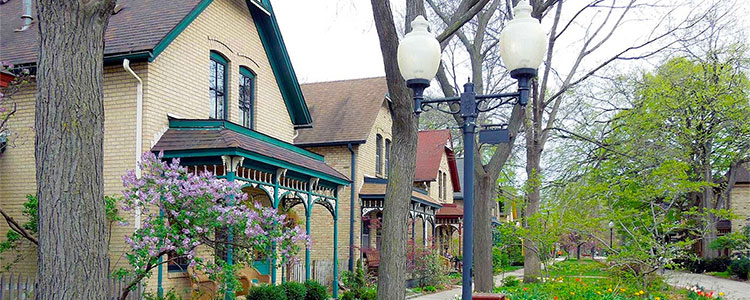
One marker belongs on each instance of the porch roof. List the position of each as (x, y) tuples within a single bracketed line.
[(200, 138), (377, 190), (451, 210)]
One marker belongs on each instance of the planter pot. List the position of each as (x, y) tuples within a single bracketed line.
[(487, 296)]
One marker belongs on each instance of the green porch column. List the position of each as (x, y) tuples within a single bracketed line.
[(308, 212), (279, 172), (231, 164), (160, 270), (336, 246)]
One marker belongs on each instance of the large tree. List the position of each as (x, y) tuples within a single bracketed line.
[(73, 254), (392, 270)]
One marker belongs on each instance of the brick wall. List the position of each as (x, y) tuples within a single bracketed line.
[(433, 186), (17, 177)]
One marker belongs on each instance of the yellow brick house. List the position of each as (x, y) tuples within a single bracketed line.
[(353, 131), (208, 81)]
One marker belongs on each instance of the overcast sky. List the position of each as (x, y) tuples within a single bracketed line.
[(330, 39), (337, 39)]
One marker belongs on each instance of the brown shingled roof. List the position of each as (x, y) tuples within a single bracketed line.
[(342, 111), (196, 139), (451, 210), (139, 26)]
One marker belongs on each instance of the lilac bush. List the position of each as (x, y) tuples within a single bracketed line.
[(182, 211)]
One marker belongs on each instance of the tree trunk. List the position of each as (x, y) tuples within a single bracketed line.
[(484, 190), (73, 254), (392, 269), (707, 199), (532, 264)]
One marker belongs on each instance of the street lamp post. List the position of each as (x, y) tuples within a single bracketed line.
[(611, 233), (522, 45)]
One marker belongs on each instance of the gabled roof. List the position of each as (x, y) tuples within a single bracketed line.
[(430, 147), (344, 111), (142, 29), (138, 27), (218, 137), (743, 175)]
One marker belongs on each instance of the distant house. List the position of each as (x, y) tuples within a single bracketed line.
[(739, 200), (218, 91), (353, 131)]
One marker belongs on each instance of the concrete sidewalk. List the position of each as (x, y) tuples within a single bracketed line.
[(450, 294), (733, 290)]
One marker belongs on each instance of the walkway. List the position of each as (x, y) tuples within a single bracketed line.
[(733, 290), (449, 294)]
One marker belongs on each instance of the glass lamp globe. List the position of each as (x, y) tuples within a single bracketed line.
[(611, 224), (418, 53), (522, 41)]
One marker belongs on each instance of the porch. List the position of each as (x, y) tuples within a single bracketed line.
[(422, 213), (273, 173)]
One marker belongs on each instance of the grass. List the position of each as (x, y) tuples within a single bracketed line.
[(724, 274), (572, 267), (589, 280)]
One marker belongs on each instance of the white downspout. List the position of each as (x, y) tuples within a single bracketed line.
[(138, 130)]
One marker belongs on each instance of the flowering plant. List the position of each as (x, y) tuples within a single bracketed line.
[(182, 211)]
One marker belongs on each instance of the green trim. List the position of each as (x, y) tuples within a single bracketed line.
[(218, 57), (218, 124), (164, 43), (257, 157), (133, 57), (247, 72), (278, 56)]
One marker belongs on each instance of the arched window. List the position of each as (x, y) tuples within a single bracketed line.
[(445, 186), (247, 97), (378, 153), (218, 87)]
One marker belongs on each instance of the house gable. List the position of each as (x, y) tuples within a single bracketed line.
[(178, 76)]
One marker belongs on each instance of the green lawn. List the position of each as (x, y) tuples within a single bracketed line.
[(573, 267), (589, 280), (724, 274)]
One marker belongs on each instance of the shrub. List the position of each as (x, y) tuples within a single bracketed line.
[(294, 290), (315, 291), (740, 268), (430, 289), (719, 264), (370, 294), (264, 292), (510, 281)]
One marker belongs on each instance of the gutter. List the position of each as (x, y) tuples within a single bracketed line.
[(351, 206), (138, 129)]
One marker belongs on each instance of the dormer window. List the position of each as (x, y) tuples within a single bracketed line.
[(378, 154), (247, 97), (218, 87)]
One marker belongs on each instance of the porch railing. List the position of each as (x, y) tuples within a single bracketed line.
[(320, 271), (22, 287)]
